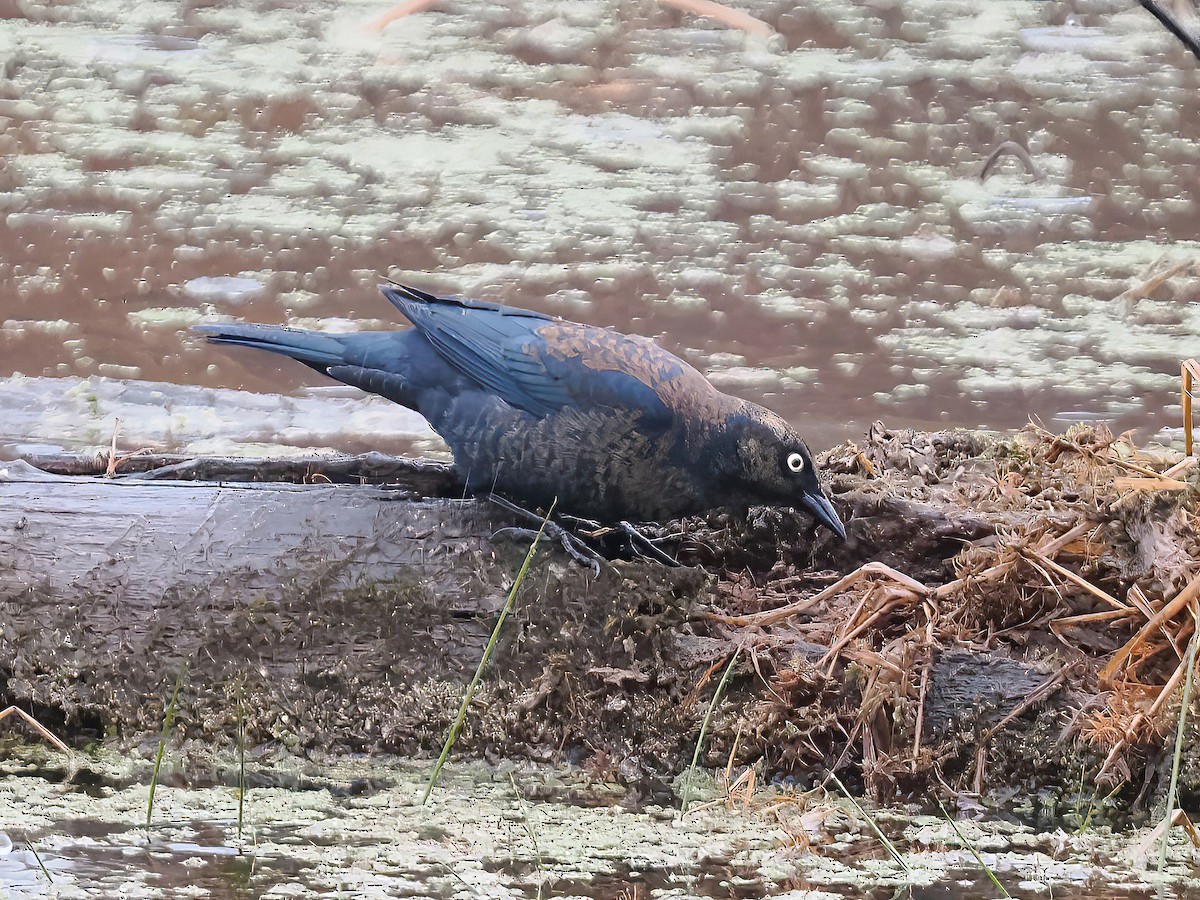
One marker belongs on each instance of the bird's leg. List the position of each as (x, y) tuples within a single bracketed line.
[(647, 547), (551, 531), (575, 548)]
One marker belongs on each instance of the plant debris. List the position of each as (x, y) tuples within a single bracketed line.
[(1087, 576)]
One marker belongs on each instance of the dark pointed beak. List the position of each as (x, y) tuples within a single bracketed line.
[(817, 506)]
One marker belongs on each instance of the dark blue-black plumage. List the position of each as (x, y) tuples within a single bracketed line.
[(537, 408)]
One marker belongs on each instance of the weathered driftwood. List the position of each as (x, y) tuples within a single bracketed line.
[(429, 478), (343, 617), (336, 617)]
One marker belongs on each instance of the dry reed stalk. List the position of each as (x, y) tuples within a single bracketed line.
[(1077, 580), (1139, 599), (1158, 483), (1136, 468), (1107, 615), (930, 616), (1144, 719), (1142, 851), (111, 469), (399, 11), (1180, 467), (734, 18), (1048, 549), (870, 659), (1152, 281), (894, 602), (770, 617), (1189, 370), (36, 726), (1172, 608)]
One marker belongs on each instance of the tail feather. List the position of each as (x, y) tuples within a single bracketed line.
[(310, 347)]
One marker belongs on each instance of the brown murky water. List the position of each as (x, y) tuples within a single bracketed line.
[(801, 216)]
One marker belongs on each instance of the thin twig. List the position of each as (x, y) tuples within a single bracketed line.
[(1040, 693)]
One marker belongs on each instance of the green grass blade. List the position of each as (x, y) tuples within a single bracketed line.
[(712, 707), (37, 856), (241, 732), (456, 727), (891, 848), (1173, 790), (1104, 802), (168, 720), (531, 830), (979, 859)]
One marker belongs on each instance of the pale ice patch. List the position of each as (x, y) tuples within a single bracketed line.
[(1069, 39), (1047, 205), (928, 246), (141, 49), (78, 412), (218, 288), (744, 378)]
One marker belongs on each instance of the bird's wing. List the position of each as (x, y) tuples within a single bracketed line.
[(502, 349), (485, 342)]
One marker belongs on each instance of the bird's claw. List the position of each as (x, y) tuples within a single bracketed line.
[(551, 531), (575, 548)]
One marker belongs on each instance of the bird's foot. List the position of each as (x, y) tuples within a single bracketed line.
[(571, 541), (576, 549), (551, 531)]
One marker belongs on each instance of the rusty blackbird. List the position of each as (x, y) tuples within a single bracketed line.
[(534, 407)]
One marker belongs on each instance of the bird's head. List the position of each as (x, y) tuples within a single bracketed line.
[(775, 468)]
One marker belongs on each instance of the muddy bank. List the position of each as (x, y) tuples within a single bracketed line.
[(1028, 631)]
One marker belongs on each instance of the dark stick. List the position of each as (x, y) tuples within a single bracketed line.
[(1172, 23)]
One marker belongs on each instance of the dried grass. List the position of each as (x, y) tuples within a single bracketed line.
[(1066, 577)]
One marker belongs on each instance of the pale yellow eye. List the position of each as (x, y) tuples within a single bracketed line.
[(795, 462)]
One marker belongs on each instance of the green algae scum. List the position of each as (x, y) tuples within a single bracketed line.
[(230, 655), (358, 829)]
